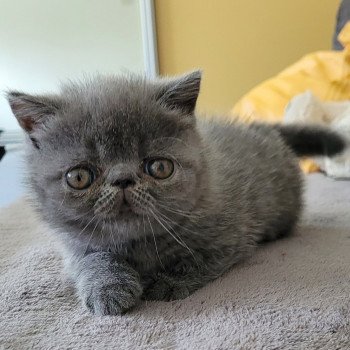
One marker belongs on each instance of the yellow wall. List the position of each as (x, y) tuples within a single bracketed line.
[(239, 43)]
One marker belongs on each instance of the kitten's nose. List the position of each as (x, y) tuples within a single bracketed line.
[(122, 176), (124, 182)]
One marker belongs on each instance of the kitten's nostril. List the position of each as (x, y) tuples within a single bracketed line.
[(124, 183)]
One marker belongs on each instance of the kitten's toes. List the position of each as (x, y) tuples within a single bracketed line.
[(112, 299), (165, 289)]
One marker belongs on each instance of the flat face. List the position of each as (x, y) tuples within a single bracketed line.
[(112, 157)]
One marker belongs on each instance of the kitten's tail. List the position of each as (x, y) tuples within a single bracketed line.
[(312, 140)]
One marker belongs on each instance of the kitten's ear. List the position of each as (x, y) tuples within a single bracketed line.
[(182, 92), (32, 111)]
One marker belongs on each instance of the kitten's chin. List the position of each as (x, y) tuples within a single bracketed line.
[(122, 228), (119, 216)]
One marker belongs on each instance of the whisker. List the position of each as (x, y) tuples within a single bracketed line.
[(64, 197), (165, 223), (175, 235), (87, 245), (172, 235), (174, 211), (177, 224), (177, 239), (86, 226), (178, 211), (155, 243)]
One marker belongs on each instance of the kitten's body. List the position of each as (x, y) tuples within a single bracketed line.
[(250, 193), (233, 186)]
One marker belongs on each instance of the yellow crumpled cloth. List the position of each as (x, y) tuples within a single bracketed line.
[(325, 73)]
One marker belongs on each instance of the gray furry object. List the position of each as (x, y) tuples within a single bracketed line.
[(149, 201)]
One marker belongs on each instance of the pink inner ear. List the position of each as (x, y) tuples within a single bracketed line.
[(31, 111), (26, 123), (20, 110)]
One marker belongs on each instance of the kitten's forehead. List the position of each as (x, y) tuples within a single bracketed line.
[(116, 118), (114, 101)]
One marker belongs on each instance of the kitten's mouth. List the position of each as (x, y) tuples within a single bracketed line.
[(125, 207), (115, 206)]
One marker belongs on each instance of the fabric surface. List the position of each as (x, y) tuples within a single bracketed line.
[(291, 294), (325, 73), (306, 108)]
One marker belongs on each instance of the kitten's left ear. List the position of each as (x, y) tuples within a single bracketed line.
[(32, 111), (182, 92)]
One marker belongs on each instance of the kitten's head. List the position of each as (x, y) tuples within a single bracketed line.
[(113, 153)]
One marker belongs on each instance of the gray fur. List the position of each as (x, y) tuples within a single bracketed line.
[(233, 187)]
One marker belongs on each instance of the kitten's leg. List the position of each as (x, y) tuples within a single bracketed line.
[(166, 287), (105, 285), (185, 278)]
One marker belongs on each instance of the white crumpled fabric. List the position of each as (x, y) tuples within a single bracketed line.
[(306, 108)]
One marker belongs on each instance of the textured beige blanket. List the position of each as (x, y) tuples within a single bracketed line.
[(292, 294)]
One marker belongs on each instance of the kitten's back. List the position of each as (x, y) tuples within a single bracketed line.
[(258, 176)]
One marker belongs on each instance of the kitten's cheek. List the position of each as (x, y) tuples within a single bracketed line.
[(80, 201), (108, 203), (137, 203)]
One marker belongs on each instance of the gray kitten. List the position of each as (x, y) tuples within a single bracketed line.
[(149, 201)]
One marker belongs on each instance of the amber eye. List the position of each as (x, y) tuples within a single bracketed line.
[(159, 168), (80, 177)]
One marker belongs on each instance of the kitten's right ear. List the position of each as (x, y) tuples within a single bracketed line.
[(181, 92), (32, 111)]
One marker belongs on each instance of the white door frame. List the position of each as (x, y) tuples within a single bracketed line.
[(149, 38)]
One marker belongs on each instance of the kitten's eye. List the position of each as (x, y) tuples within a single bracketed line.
[(80, 177), (159, 168)]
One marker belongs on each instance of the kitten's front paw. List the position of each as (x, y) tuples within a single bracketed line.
[(112, 299), (165, 288)]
